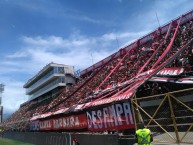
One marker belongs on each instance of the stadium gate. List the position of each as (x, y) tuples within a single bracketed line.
[(169, 116)]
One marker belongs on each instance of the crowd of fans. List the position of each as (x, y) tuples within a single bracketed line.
[(111, 75)]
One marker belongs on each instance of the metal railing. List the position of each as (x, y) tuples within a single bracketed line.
[(169, 116)]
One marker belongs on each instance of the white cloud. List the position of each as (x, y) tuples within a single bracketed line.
[(85, 18), (42, 50), (19, 54), (55, 42), (13, 95), (109, 36)]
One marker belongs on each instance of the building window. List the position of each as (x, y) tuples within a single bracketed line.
[(60, 70)]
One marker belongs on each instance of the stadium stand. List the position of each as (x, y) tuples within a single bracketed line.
[(134, 69)]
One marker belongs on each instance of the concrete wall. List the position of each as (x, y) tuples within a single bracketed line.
[(51, 138)]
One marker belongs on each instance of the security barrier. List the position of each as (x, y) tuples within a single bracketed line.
[(169, 116), (51, 138)]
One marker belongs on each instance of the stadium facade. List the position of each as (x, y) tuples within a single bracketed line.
[(149, 81), (49, 81)]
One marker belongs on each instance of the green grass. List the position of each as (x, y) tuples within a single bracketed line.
[(4, 141)]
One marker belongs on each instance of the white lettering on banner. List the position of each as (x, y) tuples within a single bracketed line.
[(171, 71), (66, 122), (111, 116), (127, 110), (89, 120), (94, 119), (105, 114), (119, 110), (45, 124), (72, 121), (99, 115), (77, 121), (60, 122)]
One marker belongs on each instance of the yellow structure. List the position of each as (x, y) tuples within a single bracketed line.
[(169, 116)]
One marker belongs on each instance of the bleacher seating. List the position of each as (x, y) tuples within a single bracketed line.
[(104, 81)]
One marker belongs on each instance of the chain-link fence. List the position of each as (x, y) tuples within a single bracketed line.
[(169, 116)]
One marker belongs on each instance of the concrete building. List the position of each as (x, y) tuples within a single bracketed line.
[(49, 81)]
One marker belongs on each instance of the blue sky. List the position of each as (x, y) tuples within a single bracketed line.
[(34, 33)]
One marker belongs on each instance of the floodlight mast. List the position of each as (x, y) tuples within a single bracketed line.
[(1, 107)]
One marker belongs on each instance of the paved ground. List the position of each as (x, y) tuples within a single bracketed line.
[(170, 138)]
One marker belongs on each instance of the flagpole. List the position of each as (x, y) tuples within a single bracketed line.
[(117, 43)]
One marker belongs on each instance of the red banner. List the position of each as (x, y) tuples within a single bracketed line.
[(68, 122), (112, 117)]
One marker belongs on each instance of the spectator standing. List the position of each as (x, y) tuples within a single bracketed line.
[(143, 135)]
